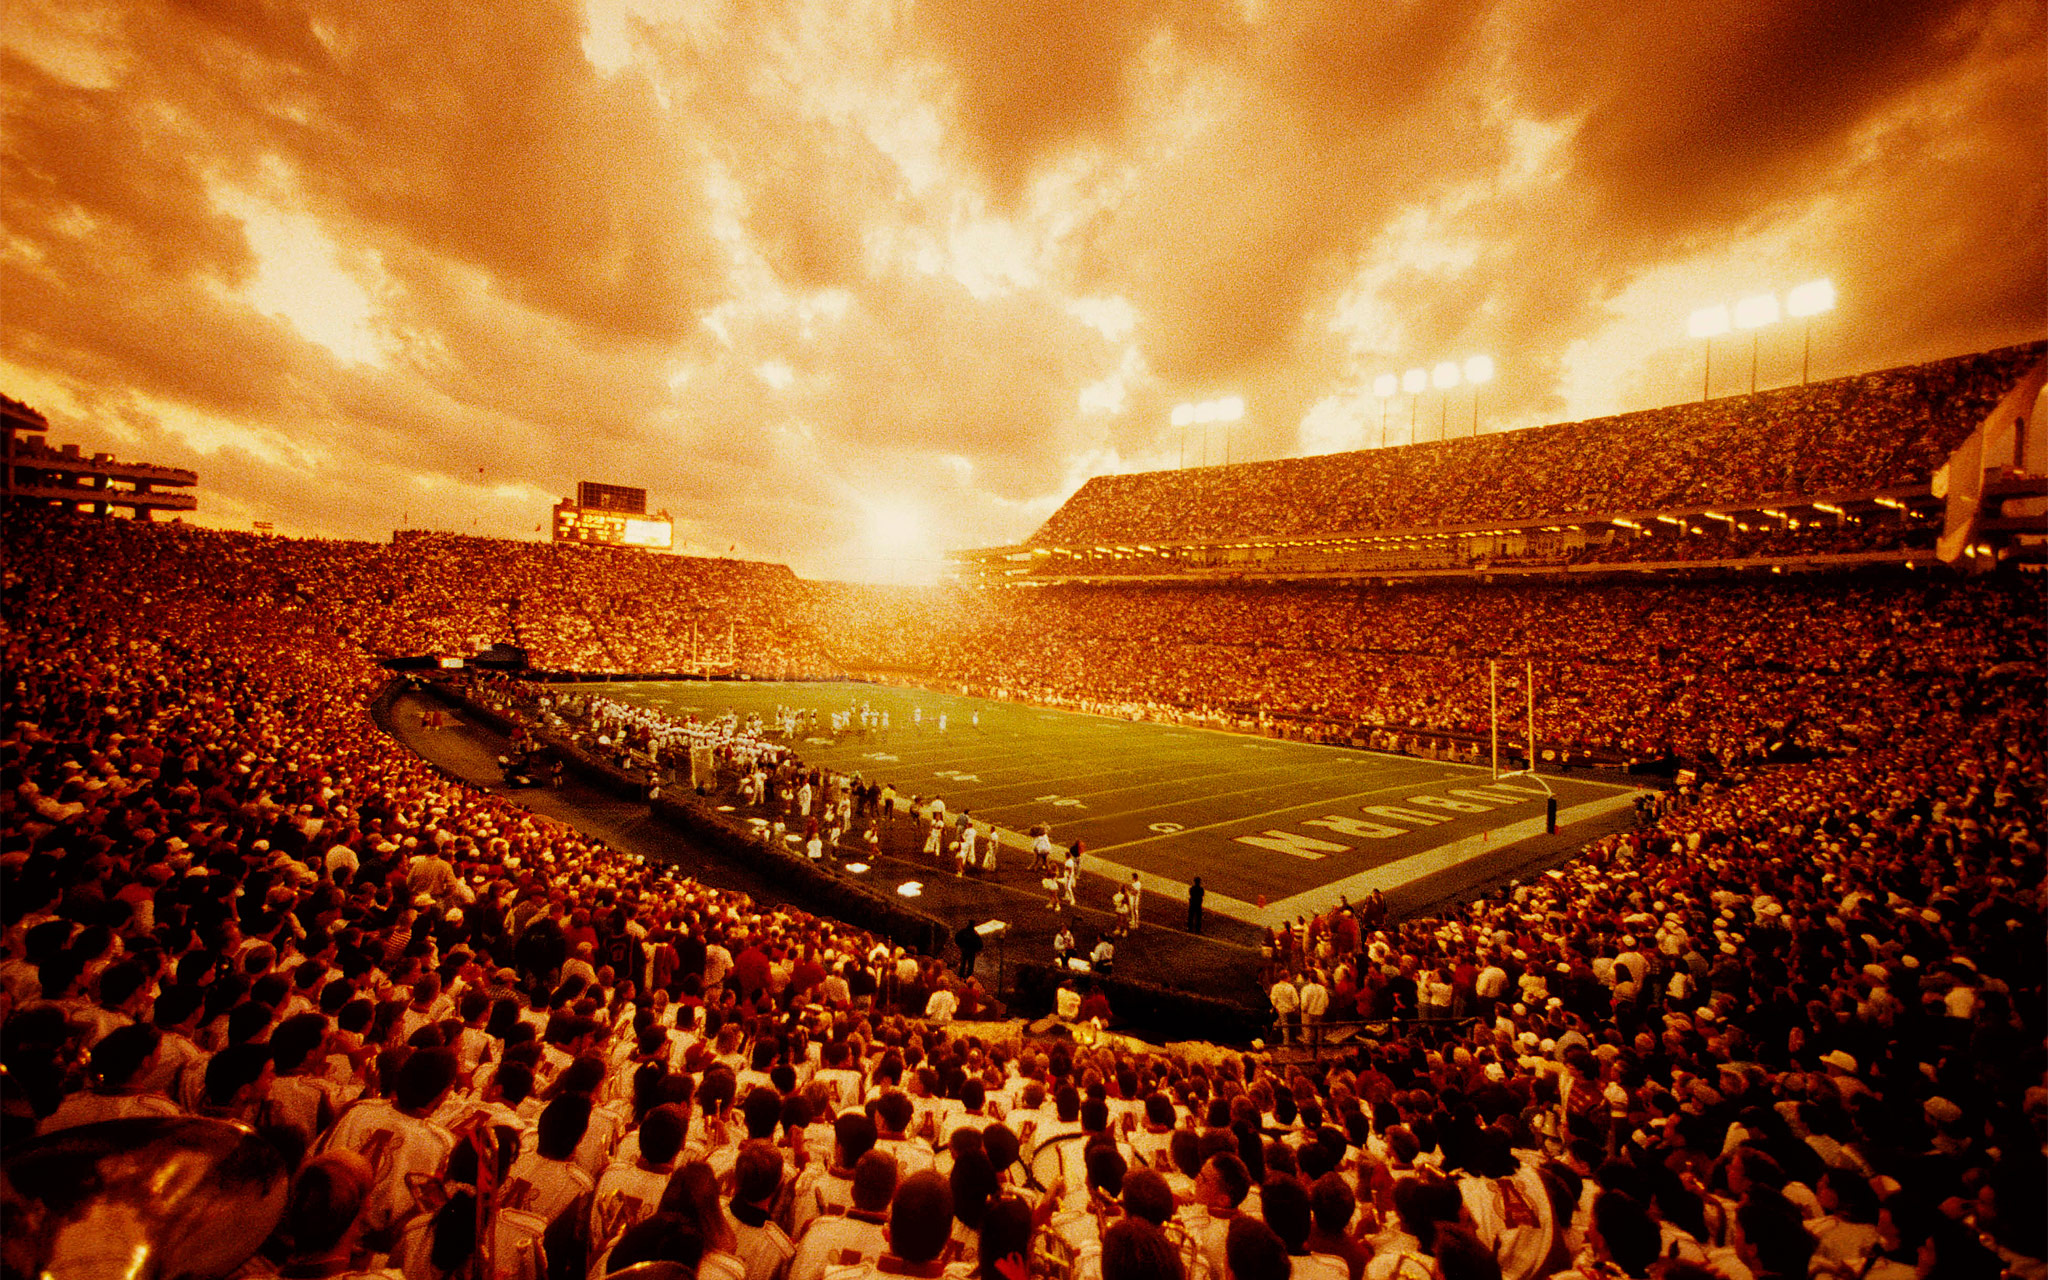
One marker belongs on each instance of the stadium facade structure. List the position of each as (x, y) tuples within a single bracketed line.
[(34, 474), (1168, 526)]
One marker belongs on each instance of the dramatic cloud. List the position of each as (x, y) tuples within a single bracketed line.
[(848, 283)]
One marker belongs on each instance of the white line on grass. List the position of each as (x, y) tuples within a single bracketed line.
[(1151, 786), (1390, 875), (1255, 818)]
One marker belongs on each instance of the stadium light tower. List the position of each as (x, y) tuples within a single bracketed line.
[(1707, 324), (1384, 387), (1443, 378), (1478, 372), (1201, 413), (1230, 409), (1805, 302), (1753, 313), (1414, 382)]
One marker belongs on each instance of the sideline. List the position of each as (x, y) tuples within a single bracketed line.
[(1161, 954)]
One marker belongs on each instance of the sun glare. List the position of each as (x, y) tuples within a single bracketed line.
[(299, 280), (895, 527)]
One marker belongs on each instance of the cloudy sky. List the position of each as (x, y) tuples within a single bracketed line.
[(848, 282)]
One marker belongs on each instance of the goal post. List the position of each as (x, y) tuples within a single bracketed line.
[(1493, 688), (1529, 693)]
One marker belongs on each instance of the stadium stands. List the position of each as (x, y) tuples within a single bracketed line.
[(1709, 671), (1791, 1026), (573, 608), (1805, 1003), (1851, 434)]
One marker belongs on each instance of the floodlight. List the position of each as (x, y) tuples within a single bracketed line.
[(1385, 386), (1183, 414), (1708, 322), (1756, 311), (1445, 375), (1414, 380), (1230, 409), (1479, 370), (1810, 299)]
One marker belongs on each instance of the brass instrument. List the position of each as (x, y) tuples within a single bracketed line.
[(150, 1198)]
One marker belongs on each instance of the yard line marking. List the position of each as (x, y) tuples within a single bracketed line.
[(1021, 763), (1233, 773), (1437, 858), (1387, 875), (913, 758), (1247, 772), (1230, 822)]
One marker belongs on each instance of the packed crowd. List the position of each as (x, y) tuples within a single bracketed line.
[(571, 607), (1711, 540), (1847, 435), (1793, 1029), (576, 608), (1790, 1028), (1709, 671), (1704, 539), (227, 894)]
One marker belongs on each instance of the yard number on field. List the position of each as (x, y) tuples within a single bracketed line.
[(957, 776), (1061, 802)]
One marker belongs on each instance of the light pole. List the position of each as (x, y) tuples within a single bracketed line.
[(1753, 313), (1226, 411), (1443, 378), (1478, 372), (1805, 302), (1707, 324)]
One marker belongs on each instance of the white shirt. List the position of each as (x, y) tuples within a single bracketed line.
[(625, 1195), (398, 1147), (543, 1186), (764, 1250), (838, 1240)]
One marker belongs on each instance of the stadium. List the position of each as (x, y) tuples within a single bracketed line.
[(1515, 773), (1078, 640)]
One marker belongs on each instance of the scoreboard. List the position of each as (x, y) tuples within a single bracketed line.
[(599, 527), (611, 497)]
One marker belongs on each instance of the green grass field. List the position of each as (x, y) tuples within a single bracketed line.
[(1274, 828)]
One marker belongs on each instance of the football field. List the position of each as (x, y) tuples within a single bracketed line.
[(1273, 828)]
